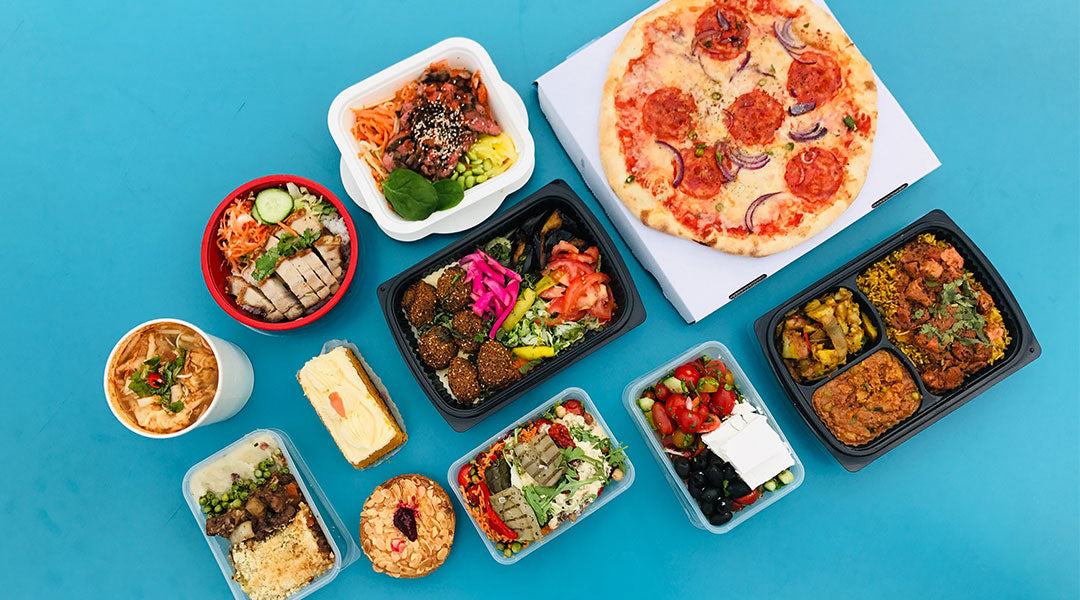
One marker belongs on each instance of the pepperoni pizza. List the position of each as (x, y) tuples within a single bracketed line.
[(744, 125)]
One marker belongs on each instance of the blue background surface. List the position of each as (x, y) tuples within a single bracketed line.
[(123, 125)]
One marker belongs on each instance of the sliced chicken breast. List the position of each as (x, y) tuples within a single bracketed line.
[(329, 249), (249, 297), (287, 269), (275, 291), (312, 259)]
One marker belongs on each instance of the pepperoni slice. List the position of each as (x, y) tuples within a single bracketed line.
[(814, 174), (721, 40), (667, 111), (815, 82), (702, 178), (754, 117)]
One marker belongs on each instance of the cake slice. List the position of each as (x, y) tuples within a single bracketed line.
[(350, 406)]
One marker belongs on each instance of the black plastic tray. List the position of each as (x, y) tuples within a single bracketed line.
[(1023, 349), (629, 313)]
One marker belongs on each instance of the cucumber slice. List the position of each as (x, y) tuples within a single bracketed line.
[(255, 215), (770, 485), (273, 204), (675, 385), (646, 403), (785, 477)]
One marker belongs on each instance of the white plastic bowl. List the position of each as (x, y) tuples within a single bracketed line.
[(236, 379), (481, 200)]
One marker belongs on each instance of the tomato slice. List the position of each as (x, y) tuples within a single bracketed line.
[(749, 499), (463, 475), (574, 406), (663, 422)]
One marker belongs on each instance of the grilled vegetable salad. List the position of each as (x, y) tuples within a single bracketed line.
[(539, 476)]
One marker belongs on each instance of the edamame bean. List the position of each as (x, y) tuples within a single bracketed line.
[(488, 164), (481, 179), (460, 167), (470, 181)]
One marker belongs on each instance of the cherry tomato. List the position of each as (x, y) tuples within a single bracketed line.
[(688, 373), (663, 422), (708, 384), (723, 401), (676, 402), (701, 401), (463, 475), (573, 406), (688, 420), (661, 392), (649, 393), (709, 422), (717, 365), (749, 499)]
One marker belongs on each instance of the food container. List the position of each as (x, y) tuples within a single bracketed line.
[(1023, 349), (345, 548), (236, 379), (629, 314), (613, 489), (480, 201), (215, 268), (693, 512)]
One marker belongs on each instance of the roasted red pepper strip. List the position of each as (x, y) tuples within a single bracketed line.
[(493, 518)]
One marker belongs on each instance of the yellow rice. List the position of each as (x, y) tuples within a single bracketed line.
[(878, 283)]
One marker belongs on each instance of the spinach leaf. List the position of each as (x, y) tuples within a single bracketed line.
[(449, 193), (411, 196)]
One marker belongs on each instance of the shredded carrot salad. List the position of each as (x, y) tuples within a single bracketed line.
[(239, 234), (376, 124)]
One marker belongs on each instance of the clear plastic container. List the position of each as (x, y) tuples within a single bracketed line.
[(690, 507), (480, 201), (345, 548), (613, 489)]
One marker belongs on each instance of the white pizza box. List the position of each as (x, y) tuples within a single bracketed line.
[(569, 96)]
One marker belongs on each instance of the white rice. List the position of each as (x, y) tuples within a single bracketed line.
[(336, 226)]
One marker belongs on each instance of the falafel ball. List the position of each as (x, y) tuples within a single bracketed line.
[(467, 326), (463, 379), (437, 347), (495, 365), (419, 303), (452, 290)]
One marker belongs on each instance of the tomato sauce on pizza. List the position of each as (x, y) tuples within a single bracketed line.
[(745, 125)]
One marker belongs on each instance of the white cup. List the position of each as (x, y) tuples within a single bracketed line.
[(236, 379)]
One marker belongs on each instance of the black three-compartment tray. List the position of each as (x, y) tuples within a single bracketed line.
[(1022, 349), (629, 311)]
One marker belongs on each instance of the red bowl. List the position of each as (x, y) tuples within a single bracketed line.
[(215, 268)]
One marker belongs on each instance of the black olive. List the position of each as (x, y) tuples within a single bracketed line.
[(729, 471), (682, 467), (714, 459), (696, 491), (697, 478), (723, 504), (700, 462), (708, 507), (719, 518), (737, 488), (714, 475), (710, 493)]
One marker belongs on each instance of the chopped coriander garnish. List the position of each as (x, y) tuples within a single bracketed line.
[(699, 150), (790, 145), (716, 95), (719, 206), (772, 69), (762, 82), (692, 135), (850, 123)]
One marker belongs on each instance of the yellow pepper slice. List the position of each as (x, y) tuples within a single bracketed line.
[(524, 302), (534, 352), (544, 283)]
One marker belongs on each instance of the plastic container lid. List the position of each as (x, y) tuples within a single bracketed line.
[(690, 507), (506, 106), (613, 489), (345, 548)]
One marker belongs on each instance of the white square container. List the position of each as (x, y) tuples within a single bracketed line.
[(481, 200), (612, 490), (690, 507), (345, 548)]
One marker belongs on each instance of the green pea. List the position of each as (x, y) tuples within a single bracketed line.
[(470, 181), (516, 547), (460, 167), (202, 501), (284, 470), (225, 497), (258, 473), (243, 495), (481, 179), (235, 503), (218, 508)]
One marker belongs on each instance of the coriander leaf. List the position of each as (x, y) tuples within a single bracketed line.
[(412, 197), (449, 194)]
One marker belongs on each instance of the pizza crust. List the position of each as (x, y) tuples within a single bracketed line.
[(647, 207)]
